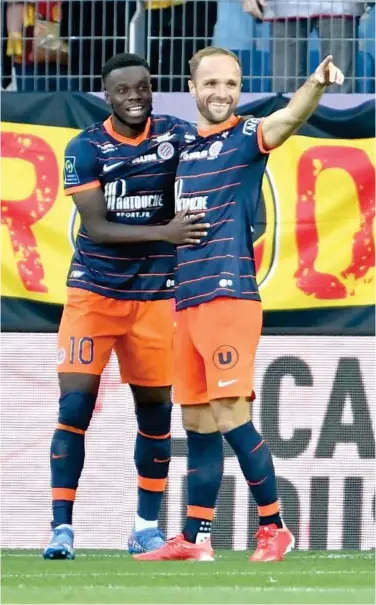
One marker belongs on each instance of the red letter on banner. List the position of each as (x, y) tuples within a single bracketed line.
[(356, 162), (20, 215)]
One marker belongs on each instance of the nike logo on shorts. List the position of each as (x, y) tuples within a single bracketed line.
[(109, 167), (226, 383)]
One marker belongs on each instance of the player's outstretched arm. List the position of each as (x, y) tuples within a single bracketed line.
[(280, 125), (92, 208)]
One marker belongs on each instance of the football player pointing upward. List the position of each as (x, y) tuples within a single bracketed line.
[(219, 316)]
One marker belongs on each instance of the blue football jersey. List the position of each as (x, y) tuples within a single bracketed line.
[(137, 180), (220, 173)]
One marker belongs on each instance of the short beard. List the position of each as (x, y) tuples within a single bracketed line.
[(204, 111)]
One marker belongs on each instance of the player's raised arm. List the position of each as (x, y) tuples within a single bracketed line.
[(280, 125)]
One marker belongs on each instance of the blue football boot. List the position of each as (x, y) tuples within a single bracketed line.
[(145, 540), (61, 543)]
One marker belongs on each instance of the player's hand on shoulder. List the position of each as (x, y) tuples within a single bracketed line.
[(185, 228)]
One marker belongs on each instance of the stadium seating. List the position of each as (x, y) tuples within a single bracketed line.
[(251, 41)]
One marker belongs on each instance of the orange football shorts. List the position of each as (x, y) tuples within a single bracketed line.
[(214, 350), (140, 332)]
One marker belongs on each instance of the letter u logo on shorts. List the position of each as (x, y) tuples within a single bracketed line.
[(225, 357)]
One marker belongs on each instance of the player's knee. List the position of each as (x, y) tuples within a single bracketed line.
[(153, 443), (231, 413), (76, 409), (154, 419), (78, 382), (150, 395), (199, 419)]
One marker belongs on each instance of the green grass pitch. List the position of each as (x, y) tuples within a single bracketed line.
[(114, 577)]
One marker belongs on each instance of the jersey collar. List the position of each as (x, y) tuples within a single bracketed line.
[(128, 141), (230, 123)]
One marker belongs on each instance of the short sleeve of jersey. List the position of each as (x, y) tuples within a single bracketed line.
[(80, 167), (252, 140)]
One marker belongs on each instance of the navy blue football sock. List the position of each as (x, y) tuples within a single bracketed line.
[(66, 461), (257, 465), (68, 452), (152, 457), (62, 511), (205, 470)]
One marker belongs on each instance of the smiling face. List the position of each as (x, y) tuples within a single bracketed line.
[(128, 92), (216, 86)]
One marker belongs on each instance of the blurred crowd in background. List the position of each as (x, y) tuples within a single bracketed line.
[(61, 45)]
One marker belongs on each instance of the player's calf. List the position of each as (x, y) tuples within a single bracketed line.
[(68, 452), (152, 458), (205, 471), (233, 416), (234, 419), (204, 476)]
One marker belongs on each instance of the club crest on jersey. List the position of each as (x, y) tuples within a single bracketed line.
[(60, 357), (165, 151), (70, 172), (215, 149)]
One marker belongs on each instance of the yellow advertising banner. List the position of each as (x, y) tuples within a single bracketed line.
[(316, 250)]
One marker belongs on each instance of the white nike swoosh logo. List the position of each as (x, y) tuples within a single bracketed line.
[(109, 167), (223, 383)]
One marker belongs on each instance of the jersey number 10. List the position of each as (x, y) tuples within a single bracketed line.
[(83, 350)]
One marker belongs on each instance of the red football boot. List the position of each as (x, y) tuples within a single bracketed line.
[(272, 544), (178, 549)]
